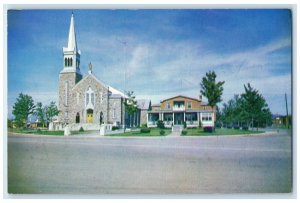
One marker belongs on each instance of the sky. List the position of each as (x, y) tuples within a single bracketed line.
[(155, 53)]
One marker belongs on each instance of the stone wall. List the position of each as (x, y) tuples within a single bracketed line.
[(100, 100), (112, 109), (143, 117), (65, 110), (115, 110)]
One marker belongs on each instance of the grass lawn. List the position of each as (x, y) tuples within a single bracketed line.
[(37, 132), (219, 131), (46, 132), (153, 132)]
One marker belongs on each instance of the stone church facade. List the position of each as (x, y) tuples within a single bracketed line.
[(86, 99)]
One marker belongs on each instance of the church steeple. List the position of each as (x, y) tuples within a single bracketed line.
[(71, 52), (72, 44)]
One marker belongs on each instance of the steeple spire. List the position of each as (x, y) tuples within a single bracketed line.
[(72, 44), (71, 53)]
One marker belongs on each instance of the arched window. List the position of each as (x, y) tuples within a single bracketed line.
[(101, 118), (66, 92), (77, 118), (71, 61), (92, 98), (66, 62)]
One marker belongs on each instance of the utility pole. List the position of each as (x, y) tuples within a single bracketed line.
[(287, 113)]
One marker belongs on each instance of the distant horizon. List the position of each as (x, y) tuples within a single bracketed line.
[(155, 53)]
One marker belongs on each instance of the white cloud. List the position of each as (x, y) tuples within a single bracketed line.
[(161, 69)]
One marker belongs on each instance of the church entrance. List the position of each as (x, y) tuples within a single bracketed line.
[(89, 116)]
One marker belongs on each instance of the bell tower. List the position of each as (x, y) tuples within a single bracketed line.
[(70, 75)]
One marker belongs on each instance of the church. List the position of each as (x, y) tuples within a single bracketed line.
[(86, 99)]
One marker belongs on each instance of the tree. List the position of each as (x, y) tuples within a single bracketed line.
[(211, 89), (51, 111), (23, 107), (130, 105), (40, 113), (255, 108)]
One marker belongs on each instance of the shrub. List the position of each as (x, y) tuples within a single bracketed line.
[(245, 127), (229, 126), (162, 132), (145, 130), (115, 128), (160, 124), (81, 129), (184, 125), (39, 130), (236, 127), (218, 125), (144, 125), (184, 132), (208, 129)]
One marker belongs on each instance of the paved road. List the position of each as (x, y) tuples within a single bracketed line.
[(161, 165)]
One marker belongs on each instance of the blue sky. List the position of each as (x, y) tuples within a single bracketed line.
[(155, 53)]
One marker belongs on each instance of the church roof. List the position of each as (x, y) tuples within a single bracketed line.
[(114, 92), (117, 92), (143, 104)]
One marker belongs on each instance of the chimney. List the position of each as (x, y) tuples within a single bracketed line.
[(200, 98)]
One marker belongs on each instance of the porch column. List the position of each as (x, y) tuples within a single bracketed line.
[(147, 119), (162, 116), (184, 116), (173, 119)]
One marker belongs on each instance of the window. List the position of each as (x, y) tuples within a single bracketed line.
[(77, 97), (87, 98), (168, 105), (92, 98), (168, 117), (189, 105), (66, 92), (66, 62), (191, 116), (101, 97), (114, 113), (206, 117)]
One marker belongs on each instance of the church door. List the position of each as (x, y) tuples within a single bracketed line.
[(89, 116)]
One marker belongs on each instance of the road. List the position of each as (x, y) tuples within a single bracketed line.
[(160, 165)]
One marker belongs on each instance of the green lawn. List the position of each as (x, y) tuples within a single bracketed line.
[(46, 132), (153, 132), (219, 131), (37, 132)]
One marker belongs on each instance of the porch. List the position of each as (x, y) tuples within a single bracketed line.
[(170, 119)]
